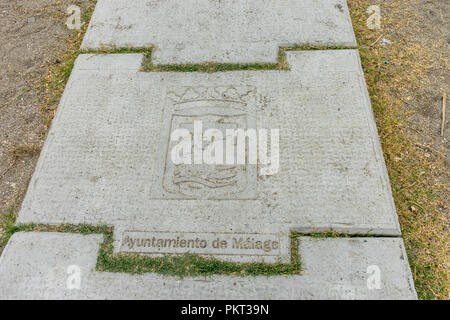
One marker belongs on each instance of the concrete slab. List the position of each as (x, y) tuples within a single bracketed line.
[(192, 31), (110, 159), (106, 159), (43, 266)]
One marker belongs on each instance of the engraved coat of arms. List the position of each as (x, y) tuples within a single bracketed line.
[(220, 108)]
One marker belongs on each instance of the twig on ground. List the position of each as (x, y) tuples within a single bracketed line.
[(9, 168), (374, 43), (440, 154), (444, 103)]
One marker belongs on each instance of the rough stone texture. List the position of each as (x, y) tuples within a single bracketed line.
[(34, 266), (105, 156), (192, 31)]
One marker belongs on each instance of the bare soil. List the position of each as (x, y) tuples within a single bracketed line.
[(424, 101), (32, 36)]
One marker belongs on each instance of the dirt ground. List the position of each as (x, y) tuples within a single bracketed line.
[(424, 102), (406, 64), (34, 38)]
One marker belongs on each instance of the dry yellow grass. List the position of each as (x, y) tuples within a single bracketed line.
[(397, 75)]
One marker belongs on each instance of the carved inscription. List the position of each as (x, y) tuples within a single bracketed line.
[(201, 243)]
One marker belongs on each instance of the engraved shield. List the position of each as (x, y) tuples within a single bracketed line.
[(218, 108)]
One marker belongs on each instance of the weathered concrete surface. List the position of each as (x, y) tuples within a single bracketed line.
[(104, 161), (192, 31), (34, 266)]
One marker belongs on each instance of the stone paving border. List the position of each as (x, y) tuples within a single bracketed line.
[(195, 31), (211, 67), (122, 261), (335, 268)]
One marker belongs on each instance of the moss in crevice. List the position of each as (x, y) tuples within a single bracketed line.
[(211, 67)]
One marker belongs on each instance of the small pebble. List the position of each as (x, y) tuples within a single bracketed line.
[(386, 41)]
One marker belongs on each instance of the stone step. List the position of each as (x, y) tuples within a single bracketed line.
[(193, 31), (107, 159), (46, 266)]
